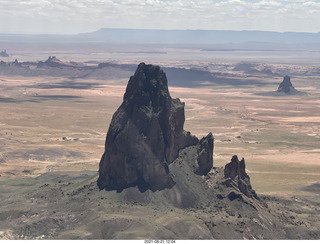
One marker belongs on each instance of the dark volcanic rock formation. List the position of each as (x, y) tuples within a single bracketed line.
[(205, 155), (145, 136), (235, 173), (286, 86)]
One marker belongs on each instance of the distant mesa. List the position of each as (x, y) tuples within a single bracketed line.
[(256, 39), (246, 67), (4, 54), (254, 68), (145, 136)]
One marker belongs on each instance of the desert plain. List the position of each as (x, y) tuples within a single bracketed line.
[(53, 128)]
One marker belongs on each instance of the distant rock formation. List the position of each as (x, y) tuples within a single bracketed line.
[(254, 68), (52, 61), (16, 63), (4, 54), (145, 136), (287, 87), (236, 177)]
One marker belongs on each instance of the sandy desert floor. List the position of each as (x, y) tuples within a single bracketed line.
[(52, 135), (59, 129)]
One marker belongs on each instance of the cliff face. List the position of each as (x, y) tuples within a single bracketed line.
[(145, 135)]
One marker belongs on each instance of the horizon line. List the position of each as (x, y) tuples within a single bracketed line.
[(150, 29)]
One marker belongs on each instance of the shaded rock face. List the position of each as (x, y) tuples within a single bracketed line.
[(205, 155), (236, 177), (145, 135), (286, 86)]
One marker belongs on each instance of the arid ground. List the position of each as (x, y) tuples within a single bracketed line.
[(58, 125)]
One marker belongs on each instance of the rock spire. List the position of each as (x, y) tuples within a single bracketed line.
[(235, 173), (145, 136), (286, 86)]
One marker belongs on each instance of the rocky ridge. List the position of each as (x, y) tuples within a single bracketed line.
[(146, 134), (68, 205)]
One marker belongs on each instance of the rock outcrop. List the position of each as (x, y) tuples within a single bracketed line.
[(145, 136), (236, 177), (4, 54), (16, 63), (286, 86), (52, 61), (205, 155)]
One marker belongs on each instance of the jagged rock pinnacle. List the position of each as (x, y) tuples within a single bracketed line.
[(145, 135), (235, 173), (286, 86)]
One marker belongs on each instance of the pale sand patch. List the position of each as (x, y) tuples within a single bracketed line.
[(312, 119), (311, 151), (259, 108)]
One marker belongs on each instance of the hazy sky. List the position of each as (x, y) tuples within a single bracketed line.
[(78, 16)]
